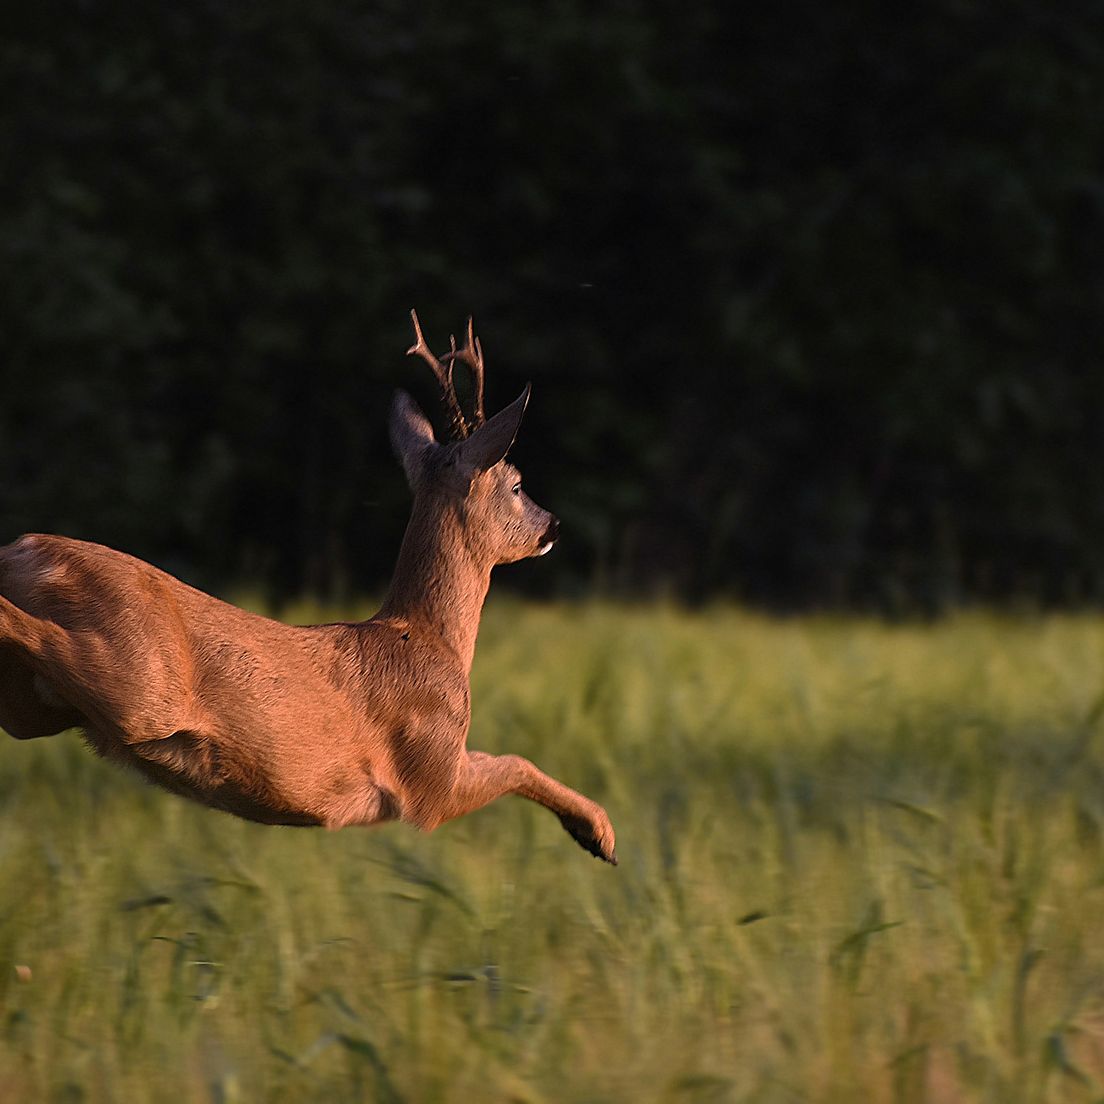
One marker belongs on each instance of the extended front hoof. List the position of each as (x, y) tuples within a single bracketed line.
[(582, 832)]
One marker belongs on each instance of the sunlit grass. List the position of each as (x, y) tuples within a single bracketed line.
[(858, 862)]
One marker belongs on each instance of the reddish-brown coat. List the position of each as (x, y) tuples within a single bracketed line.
[(329, 725)]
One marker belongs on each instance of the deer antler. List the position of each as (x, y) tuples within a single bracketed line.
[(472, 355), (460, 427)]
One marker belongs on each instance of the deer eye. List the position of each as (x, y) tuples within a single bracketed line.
[(516, 488)]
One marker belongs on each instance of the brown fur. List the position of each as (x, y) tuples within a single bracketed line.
[(312, 725)]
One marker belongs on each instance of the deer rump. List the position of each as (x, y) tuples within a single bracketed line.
[(195, 693)]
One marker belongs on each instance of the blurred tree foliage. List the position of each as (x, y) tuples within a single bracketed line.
[(811, 297)]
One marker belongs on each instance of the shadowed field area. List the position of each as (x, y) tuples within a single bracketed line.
[(858, 862)]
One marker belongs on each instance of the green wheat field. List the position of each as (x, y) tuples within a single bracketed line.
[(859, 862)]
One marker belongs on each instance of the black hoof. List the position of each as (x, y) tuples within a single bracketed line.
[(582, 833)]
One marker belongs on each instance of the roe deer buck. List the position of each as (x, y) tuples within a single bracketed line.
[(303, 725)]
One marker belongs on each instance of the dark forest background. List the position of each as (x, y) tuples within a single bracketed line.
[(811, 296)]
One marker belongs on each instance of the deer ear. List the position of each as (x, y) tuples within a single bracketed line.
[(492, 440), (411, 435)]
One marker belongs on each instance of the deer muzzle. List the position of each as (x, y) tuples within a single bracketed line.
[(551, 535)]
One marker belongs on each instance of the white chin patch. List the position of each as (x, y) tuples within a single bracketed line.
[(546, 548)]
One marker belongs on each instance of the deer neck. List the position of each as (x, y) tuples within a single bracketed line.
[(441, 579)]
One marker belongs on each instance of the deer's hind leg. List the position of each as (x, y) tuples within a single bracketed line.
[(29, 706), (52, 679), (34, 700)]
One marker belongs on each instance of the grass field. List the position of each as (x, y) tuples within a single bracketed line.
[(858, 863)]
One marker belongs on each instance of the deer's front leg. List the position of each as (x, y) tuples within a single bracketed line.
[(483, 777)]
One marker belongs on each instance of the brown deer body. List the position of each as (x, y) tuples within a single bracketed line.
[(334, 725)]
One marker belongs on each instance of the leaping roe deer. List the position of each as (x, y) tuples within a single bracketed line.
[(335, 725)]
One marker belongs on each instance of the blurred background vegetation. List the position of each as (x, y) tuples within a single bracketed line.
[(811, 297)]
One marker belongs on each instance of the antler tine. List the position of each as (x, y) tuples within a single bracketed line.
[(472, 355), (460, 427)]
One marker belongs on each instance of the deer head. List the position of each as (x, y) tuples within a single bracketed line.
[(469, 475)]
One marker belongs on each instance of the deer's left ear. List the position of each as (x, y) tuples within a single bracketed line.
[(492, 440), (411, 436)]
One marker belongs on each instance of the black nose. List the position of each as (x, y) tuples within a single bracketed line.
[(552, 533)]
